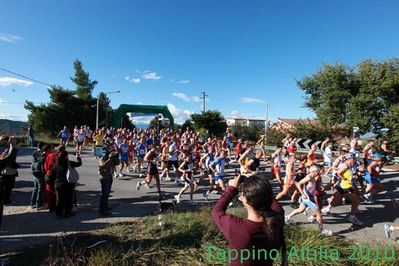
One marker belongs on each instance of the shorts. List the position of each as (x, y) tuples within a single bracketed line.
[(124, 159), (64, 139), (275, 170), (80, 143), (208, 171), (309, 202), (218, 177), (173, 163), (371, 179), (344, 191), (152, 170), (140, 156), (328, 164)]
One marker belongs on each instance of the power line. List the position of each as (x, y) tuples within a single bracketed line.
[(25, 77)]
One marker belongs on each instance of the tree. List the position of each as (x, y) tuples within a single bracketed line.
[(252, 133), (68, 107), (127, 123), (210, 120), (187, 125), (84, 86), (360, 96)]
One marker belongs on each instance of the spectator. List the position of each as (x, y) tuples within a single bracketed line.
[(262, 229), (106, 169), (38, 172), (63, 189), (10, 172), (31, 136)]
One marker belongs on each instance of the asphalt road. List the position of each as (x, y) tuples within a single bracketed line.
[(23, 227)]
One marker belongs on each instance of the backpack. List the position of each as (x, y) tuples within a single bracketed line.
[(38, 164)]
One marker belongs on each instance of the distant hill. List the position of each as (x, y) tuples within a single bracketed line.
[(15, 128)]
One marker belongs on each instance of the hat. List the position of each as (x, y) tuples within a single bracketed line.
[(378, 156)]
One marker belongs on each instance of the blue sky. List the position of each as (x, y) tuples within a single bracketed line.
[(242, 53)]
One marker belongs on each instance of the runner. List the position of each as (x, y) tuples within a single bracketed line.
[(140, 155), (308, 188), (345, 190), (187, 169), (289, 184), (276, 166), (368, 153), (372, 177), (173, 159), (389, 229), (124, 156), (152, 170), (64, 136), (217, 167), (311, 156), (80, 138)]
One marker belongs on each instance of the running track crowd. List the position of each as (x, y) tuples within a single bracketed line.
[(187, 159)]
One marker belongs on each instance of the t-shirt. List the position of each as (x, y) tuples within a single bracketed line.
[(64, 133), (172, 153), (327, 155), (219, 164)]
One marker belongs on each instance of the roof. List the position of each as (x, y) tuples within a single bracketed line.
[(293, 122)]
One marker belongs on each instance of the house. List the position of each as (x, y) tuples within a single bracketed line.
[(285, 124)]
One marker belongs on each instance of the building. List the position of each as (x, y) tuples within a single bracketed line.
[(285, 124), (247, 122)]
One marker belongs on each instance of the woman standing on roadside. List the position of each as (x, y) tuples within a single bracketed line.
[(264, 226), (63, 189)]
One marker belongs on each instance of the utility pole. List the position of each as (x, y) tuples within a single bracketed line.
[(203, 98)]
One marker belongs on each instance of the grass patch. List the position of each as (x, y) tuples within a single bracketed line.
[(182, 239)]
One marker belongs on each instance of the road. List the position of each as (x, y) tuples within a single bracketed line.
[(23, 227)]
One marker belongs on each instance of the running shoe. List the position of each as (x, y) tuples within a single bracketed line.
[(138, 185), (354, 219), (167, 178), (177, 199), (326, 232), (388, 231), (311, 219), (205, 194), (147, 186), (120, 175), (287, 220), (325, 210)]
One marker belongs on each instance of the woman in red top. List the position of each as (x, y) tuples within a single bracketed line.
[(263, 229)]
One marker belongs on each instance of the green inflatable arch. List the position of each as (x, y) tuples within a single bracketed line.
[(140, 109)]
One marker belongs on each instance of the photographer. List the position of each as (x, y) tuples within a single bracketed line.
[(264, 226), (105, 172), (9, 172), (4, 161)]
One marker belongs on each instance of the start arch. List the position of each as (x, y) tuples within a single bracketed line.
[(140, 109)]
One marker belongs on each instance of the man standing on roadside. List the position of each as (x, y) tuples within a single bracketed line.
[(31, 136), (38, 172)]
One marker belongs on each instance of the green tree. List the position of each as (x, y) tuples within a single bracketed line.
[(210, 120), (188, 124), (84, 86), (127, 122), (360, 96), (252, 133), (68, 107)]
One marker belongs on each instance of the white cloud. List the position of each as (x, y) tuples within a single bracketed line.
[(127, 78), (183, 82), (3, 101), (252, 100), (9, 38), (236, 114), (181, 96), (7, 81), (151, 75), (178, 114), (135, 81), (13, 117), (195, 99)]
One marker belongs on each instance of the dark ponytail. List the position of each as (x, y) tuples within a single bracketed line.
[(259, 194)]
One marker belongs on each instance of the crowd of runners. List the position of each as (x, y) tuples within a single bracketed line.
[(190, 160)]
